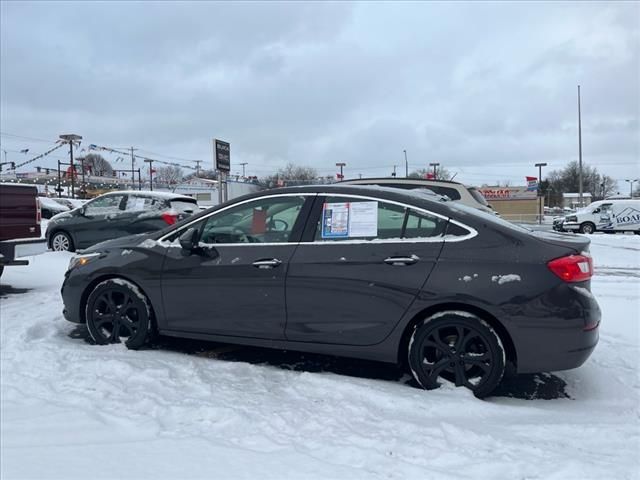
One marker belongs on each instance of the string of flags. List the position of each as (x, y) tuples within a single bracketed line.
[(38, 157), (93, 147)]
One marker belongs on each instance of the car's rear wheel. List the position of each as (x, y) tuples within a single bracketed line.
[(62, 242), (117, 311), (587, 227), (459, 348)]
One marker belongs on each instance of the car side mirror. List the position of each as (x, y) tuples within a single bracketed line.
[(189, 239)]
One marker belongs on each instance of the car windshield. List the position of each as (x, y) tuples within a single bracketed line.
[(477, 196)]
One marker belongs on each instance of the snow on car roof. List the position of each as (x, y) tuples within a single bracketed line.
[(149, 193)]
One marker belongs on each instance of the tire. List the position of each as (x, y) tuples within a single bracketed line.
[(457, 347), (587, 227), (117, 311), (62, 242)]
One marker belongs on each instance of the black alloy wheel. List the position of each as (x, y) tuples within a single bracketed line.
[(457, 348), (117, 311)]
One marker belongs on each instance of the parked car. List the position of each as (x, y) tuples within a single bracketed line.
[(71, 203), (454, 191), (609, 216), (117, 214), (375, 273), (51, 207), (19, 224)]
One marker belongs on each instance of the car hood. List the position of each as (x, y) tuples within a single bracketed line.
[(122, 242), (579, 243)]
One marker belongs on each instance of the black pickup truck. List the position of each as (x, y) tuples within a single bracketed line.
[(20, 217)]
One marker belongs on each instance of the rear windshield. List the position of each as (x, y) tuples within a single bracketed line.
[(477, 196), (184, 206)]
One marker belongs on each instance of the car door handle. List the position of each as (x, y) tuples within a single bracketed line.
[(268, 263), (400, 261)]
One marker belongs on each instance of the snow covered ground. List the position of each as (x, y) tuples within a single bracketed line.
[(73, 410)]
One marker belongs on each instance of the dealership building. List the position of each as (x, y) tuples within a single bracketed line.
[(517, 203)]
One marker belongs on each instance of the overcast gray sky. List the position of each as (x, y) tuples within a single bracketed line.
[(485, 89)]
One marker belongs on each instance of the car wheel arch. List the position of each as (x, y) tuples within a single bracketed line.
[(497, 325), (102, 278)]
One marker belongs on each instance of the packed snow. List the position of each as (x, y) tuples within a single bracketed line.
[(72, 410)]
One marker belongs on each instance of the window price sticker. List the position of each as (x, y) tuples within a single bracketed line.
[(350, 219)]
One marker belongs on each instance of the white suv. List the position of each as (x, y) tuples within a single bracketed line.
[(454, 191)]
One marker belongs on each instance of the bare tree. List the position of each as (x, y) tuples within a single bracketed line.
[(441, 173), (292, 174), (169, 175), (95, 164)]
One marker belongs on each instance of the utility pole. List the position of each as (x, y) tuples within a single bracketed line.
[(406, 164), (579, 151), (198, 162), (243, 165), (341, 165), (133, 161), (150, 162), (540, 197), (435, 166), (70, 138)]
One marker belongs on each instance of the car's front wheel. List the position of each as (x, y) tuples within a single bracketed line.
[(459, 348), (118, 311), (588, 228), (62, 242)]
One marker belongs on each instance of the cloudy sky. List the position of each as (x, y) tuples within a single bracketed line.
[(485, 89)]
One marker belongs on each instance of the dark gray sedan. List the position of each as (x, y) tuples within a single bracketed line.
[(117, 214), (367, 272)]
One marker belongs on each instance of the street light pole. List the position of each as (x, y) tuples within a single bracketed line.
[(243, 165), (341, 165), (579, 151), (70, 138), (540, 197), (631, 182), (435, 166), (406, 164), (150, 162)]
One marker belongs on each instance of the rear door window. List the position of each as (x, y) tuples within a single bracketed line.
[(345, 218), (184, 206), (140, 203)]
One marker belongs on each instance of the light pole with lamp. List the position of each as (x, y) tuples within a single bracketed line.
[(406, 164), (150, 162), (71, 138), (341, 165), (631, 182), (540, 197), (435, 166)]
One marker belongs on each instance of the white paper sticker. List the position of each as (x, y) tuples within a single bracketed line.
[(363, 219)]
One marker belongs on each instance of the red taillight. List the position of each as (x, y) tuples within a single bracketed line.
[(574, 268), (38, 212), (170, 217)]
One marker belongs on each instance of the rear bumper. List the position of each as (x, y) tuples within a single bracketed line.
[(562, 342), (12, 250)]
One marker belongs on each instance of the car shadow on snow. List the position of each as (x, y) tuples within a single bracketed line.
[(6, 290), (544, 386)]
